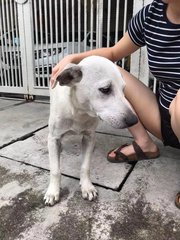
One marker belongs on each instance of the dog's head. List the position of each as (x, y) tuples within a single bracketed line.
[(98, 85)]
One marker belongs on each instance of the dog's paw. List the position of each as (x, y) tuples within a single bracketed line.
[(51, 197), (89, 191)]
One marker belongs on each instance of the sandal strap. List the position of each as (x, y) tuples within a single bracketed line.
[(120, 155), (140, 155), (139, 152)]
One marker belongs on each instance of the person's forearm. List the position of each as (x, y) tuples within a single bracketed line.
[(125, 47), (121, 49), (103, 52)]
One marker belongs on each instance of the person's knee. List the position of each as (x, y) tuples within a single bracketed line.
[(178, 96), (174, 110), (177, 108)]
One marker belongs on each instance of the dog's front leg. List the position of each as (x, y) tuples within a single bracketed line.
[(53, 191), (87, 188)]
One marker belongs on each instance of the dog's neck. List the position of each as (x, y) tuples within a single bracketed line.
[(78, 107)]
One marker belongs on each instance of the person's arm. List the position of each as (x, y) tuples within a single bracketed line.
[(121, 49)]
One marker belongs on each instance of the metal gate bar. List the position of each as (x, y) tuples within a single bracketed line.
[(10, 53)]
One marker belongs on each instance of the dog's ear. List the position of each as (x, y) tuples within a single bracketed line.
[(71, 75)]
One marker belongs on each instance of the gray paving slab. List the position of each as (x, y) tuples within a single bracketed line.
[(24, 216), (34, 151), (6, 103), (151, 189), (157, 181), (125, 215), (21, 120), (103, 127), (142, 210)]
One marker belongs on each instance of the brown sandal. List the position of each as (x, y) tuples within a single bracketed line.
[(132, 158), (177, 200)]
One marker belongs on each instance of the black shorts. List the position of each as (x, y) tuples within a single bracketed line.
[(169, 137)]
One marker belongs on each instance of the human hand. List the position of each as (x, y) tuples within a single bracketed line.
[(59, 68)]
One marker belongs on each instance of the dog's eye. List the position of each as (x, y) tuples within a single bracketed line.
[(105, 90)]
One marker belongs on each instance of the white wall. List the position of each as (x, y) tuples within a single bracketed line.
[(139, 63)]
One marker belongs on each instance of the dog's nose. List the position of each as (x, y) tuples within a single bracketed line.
[(131, 119)]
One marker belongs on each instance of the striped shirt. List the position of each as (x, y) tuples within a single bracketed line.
[(150, 27)]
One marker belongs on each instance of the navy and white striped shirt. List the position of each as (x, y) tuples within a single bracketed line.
[(151, 27)]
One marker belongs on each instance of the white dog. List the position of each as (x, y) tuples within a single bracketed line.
[(89, 91)]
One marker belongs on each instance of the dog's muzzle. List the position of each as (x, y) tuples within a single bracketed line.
[(131, 119)]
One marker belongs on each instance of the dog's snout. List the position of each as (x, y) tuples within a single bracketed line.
[(131, 119)]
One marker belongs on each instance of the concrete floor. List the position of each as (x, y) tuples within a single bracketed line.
[(134, 202)]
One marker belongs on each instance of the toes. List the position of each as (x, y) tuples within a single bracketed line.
[(51, 199), (89, 194)]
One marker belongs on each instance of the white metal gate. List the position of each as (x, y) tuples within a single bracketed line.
[(11, 79), (36, 34)]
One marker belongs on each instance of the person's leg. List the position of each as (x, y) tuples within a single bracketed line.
[(174, 111), (144, 102)]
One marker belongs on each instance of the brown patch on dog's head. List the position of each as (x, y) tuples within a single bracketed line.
[(70, 76)]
